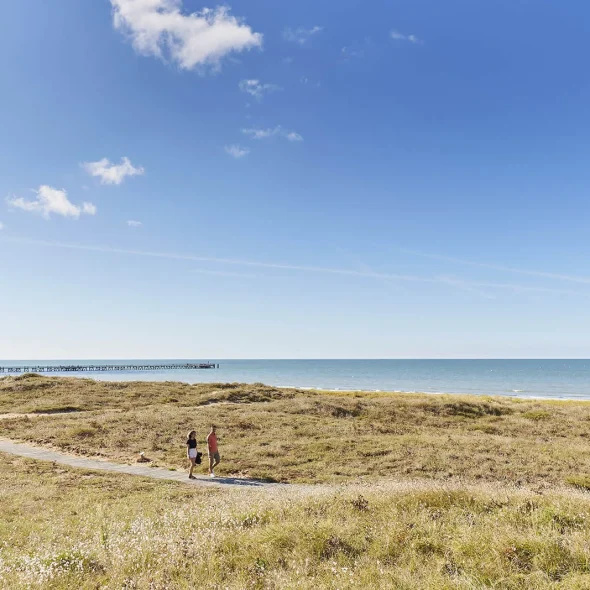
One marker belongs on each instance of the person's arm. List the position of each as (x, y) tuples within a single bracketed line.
[(208, 445)]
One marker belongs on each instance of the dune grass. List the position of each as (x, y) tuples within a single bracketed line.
[(424, 492), (62, 528), (306, 436)]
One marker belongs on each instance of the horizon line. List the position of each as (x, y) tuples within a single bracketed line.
[(213, 359)]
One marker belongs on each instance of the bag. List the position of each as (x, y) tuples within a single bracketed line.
[(198, 459)]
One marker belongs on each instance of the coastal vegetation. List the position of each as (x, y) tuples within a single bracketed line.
[(62, 528), (412, 491), (299, 436)]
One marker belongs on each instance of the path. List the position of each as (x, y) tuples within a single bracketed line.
[(31, 452)]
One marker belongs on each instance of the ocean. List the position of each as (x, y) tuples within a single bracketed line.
[(558, 379)]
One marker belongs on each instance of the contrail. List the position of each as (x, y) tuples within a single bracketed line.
[(499, 267), (234, 261), (472, 286), (222, 273)]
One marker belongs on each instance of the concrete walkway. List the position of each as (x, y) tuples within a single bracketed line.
[(31, 452)]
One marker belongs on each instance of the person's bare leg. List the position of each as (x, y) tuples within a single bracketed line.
[(190, 473), (211, 464)]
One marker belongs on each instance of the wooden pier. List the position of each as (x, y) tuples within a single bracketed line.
[(104, 368)]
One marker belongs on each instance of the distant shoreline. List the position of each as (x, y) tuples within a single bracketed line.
[(522, 379), (520, 395)]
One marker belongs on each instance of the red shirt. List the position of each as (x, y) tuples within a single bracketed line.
[(212, 442)]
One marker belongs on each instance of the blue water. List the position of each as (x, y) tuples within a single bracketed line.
[(561, 379)]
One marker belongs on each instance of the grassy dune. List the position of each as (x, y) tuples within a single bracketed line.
[(307, 436), (63, 529), (420, 492)]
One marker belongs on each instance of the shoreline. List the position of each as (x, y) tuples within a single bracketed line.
[(532, 379), (515, 395), (416, 392)]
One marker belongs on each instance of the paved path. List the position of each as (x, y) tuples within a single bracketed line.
[(31, 452)]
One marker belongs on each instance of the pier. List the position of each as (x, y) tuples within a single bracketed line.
[(104, 368)]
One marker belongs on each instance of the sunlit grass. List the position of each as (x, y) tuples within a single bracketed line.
[(63, 529), (307, 436), (433, 492)]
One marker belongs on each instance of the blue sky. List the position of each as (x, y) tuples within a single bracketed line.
[(307, 180)]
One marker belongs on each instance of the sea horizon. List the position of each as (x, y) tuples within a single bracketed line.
[(525, 378)]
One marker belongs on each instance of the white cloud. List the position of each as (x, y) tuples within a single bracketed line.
[(301, 35), (259, 133), (275, 131), (159, 28), (236, 151), (256, 89), (88, 208), (307, 82), (1, 226), (348, 52), (133, 223), (112, 173), (51, 200), (292, 136), (357, 50), (397, 36)]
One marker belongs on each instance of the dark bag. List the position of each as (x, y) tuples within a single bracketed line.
[(198, 459)]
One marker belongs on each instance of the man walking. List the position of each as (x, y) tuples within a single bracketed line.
[(213, 451)]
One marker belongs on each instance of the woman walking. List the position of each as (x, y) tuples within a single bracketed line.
[(191, 451), (213, 450)]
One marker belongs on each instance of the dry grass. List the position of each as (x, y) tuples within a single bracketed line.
[(307, 436), (63, 529), (475, 494)]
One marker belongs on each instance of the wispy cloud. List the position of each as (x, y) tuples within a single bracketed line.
[(256, 89), (1, 226), (52, 201), (223, 273), (361, 265), (230, 261), (201, 39), (502, 268), (134, 223), (351, 53), (356, 50), (112, 173), (277, 131), (301, 35), (466, 286), (88, 208), (237, 151), (397, 36), (307, 82), (462, 284)]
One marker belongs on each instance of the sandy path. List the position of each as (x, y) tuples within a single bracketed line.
[(32, 452)]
